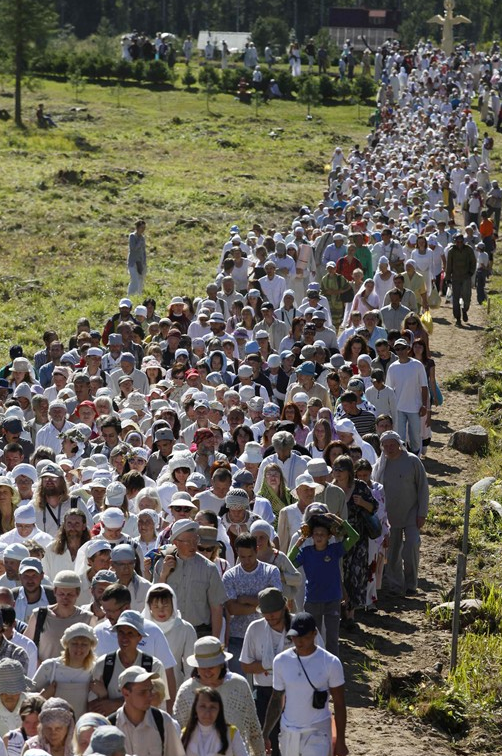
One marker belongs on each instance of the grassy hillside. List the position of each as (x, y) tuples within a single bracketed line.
[(70, 195)]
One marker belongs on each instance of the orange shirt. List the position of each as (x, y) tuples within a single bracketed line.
[(486, 227)]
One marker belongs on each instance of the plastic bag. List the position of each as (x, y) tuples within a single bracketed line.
[(449, 293), (434, 298), (427, 323)]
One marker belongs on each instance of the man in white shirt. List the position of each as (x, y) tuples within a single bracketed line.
[(49, 434), (140, 722), (409, 380), (272, 285), (115, 600), (264, 639), (306, 676)]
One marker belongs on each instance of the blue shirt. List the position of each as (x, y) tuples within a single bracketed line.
[(322, 570)]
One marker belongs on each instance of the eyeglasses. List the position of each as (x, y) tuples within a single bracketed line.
[(205, 549), (339, 469), (181, 509)]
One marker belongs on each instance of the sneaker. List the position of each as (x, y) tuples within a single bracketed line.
[(464, 316)]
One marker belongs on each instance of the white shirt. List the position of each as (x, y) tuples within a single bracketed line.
[(48, 435), (407, 379), (324, 670), (30, 648), (155, 644)]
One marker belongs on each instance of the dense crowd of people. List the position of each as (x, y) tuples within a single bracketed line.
[(199, 496)]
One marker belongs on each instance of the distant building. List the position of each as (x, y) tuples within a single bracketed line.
[(236, 41), (376, 26)]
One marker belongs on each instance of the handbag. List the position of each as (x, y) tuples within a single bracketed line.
[(372, 524), (434, 299), (427, 323)]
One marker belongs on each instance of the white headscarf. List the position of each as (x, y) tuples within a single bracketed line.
[(168, 624), (347, 426)]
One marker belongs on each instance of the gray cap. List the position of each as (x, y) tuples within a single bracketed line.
[(107, 740)]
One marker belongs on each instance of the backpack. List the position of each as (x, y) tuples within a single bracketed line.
[(39, 625), (146, 663), (489, 143), (157, 717)]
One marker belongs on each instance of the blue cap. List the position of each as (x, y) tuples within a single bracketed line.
[(252, 347)]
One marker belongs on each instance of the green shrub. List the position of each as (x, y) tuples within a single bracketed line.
[(157, 72), (139, 70), (364, 88), (123, 70), (230, 80), (287, 83), (188, 79), (327, 88), (209, 78), (343, 89)]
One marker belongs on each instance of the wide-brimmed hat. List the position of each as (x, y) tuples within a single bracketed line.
[(12, 677), (306, 480), (208, 652)]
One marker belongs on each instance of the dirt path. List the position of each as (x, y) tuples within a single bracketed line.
[(397, 638)]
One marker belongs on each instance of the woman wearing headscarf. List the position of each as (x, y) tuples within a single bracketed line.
[(423, 257), (161, 607), (366, 298), (55, 729), (86, 724), (383, 278), (348, 435)]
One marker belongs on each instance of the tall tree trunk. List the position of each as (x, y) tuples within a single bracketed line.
[(19, 62)]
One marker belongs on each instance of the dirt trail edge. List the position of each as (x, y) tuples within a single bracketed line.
[(398, 638)]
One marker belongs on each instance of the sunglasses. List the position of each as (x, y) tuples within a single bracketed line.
[(205, 549), (181, 509), (338, 469)]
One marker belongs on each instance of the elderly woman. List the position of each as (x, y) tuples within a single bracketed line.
[(29, 712), (55, 729), (69, 675), (238, 517), (9, 498), (161, 607), (84, 728), (290, 577), (210, 662), (148, 527)]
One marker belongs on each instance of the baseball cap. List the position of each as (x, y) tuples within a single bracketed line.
[(301, 624), (133, 675), (31, 563), (133, 619)]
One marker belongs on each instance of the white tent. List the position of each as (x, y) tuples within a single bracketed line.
[(236, 41)]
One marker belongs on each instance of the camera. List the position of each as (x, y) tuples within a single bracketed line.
[(319, 698)]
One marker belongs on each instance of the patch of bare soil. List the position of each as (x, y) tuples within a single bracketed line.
[(398, 638)]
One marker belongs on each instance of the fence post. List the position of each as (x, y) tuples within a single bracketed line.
[(456, 611), (465, 537)]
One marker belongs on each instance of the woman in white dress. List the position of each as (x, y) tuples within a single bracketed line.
[(423, 257), (69, 675), (383, 278)]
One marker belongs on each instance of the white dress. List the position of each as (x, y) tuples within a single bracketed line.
[(425, 264)]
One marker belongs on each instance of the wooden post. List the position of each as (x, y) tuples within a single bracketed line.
[(455, 629), (465, 537)]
